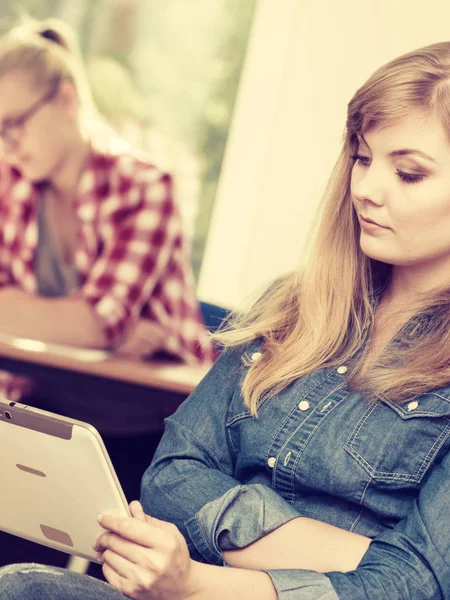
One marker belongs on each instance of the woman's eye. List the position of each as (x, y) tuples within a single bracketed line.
[(409, 177), (364, 161)]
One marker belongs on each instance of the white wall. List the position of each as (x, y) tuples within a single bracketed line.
[(305, 60)]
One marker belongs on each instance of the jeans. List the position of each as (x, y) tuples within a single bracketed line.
[(39, 582)]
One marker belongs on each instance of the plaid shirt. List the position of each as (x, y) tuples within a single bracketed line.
[(130, 253)]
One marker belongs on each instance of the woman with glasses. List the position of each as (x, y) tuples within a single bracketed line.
[(91, 248)]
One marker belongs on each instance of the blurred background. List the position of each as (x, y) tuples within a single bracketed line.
[(244, 101), (165, 74)]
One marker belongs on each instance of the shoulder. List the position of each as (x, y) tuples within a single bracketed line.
[(237, 359), (120, 178), (119, 169)]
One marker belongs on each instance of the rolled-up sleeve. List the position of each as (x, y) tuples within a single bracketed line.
[(191, 480), (305, 585), (138, 237), (241, 516)]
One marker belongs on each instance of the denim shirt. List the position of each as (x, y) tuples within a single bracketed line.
[(377, 468)]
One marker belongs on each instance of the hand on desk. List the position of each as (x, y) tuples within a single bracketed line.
[(144, 340)]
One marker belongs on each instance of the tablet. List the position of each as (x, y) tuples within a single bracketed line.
[(56, 478)]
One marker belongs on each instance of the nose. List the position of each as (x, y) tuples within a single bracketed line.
[(366, 185)]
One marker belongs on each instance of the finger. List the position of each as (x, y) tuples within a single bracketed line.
[(132, 577), (137, 511), (112, 577), (146, 533), (118, 582), (129, 550), (121, 565)]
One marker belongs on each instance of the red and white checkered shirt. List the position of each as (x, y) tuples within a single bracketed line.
[(130, 254)]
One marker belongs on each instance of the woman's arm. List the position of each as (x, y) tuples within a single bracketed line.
[(216, 583), (68, 321), (302, 544), (145, 559), (191, 479), (58, 320)]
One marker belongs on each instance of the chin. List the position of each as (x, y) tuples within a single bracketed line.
[(33, 175)]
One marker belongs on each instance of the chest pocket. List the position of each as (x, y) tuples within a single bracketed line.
[(399, 442)]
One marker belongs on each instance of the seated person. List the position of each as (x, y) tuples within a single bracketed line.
[(314, 458), (92, 252)]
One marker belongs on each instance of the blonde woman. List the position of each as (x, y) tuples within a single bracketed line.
[(314, 457), (91, 248)]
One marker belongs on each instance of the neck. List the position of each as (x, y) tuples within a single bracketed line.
[(65, 178), (410, 282)]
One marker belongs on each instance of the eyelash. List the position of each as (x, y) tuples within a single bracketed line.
[(405, 177)]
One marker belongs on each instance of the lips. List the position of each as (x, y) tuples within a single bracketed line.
[(371, 221)]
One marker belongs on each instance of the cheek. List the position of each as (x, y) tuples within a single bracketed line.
[(42, 152), (422, 223), (427, 209), (46, 144)]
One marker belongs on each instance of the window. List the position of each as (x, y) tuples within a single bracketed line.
[(165, 73)]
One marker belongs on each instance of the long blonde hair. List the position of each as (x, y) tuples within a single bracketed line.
[(48, 51), (320, 316)]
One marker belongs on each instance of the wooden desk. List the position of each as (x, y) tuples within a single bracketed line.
[(160, 374), (117, 395)]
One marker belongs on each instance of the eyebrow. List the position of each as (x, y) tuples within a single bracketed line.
[(405, 152)]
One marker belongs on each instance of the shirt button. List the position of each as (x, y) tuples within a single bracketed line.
[(256, 356), (342, 370), (271, 462), (303, 405), (413, 405)]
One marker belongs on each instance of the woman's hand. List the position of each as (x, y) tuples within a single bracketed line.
[(145, 339), (143, 557)]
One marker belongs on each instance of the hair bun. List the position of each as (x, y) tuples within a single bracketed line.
[(56, 31), (52, 30), (53, 36)]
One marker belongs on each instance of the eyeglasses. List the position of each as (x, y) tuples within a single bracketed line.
[(11, 129)]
